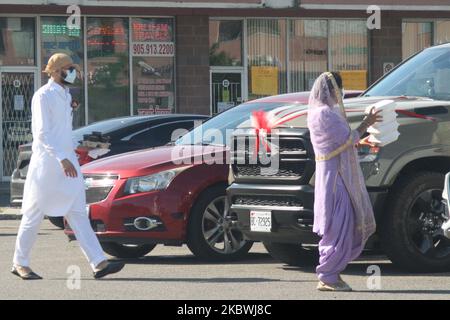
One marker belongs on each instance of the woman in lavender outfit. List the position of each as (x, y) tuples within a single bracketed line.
[(343, 214)]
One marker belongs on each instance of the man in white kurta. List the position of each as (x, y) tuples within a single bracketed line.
[(54, 185)]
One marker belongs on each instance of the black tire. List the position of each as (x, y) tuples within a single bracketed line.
[(293, 254), (57, 221), (127, 251), (406, 239), (198, 229)]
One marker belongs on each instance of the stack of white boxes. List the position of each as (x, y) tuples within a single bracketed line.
[(384, 132)]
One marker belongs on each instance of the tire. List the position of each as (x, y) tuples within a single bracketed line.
[(209, 219), (293, 254), (127, 251), (407, 236), (57, 221)]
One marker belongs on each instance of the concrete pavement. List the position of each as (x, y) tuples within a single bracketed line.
[(173, 273)]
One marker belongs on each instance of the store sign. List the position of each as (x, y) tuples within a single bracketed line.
[(153, 49), (151, 111), (387, 67), (153, 52), (354, 79), (60, 29), (264, 80)]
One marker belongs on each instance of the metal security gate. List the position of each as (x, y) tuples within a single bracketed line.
[(17, 88), (226, 89)]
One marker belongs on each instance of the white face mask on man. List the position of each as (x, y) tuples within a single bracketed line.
[(71, 75)]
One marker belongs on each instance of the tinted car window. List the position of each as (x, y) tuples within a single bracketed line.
[(426, 74), (105, 126), (162, 134)]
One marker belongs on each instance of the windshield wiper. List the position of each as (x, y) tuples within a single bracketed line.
[(208, 144)]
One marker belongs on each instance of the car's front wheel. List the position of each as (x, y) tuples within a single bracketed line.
[(127, 251), (212, 232), (410, 230)]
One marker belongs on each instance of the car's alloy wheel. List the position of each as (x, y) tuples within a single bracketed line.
[(211, 233), (410, 228), (218, 228), (425, 218)]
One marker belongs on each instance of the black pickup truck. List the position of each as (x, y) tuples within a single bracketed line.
[(404, 179)]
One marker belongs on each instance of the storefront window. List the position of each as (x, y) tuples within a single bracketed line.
[(308, 49), (348, 52), (416, 36), (108, 68), (266, 42), (17, 41), (153, 52), (225, 43), (57, 37)]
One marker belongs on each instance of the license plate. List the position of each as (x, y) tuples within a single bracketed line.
[(261, 221)]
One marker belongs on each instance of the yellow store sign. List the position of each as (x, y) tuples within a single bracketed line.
[(264, 80), (354, 79)]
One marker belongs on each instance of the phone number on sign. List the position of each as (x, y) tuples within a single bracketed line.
[(158, 49)]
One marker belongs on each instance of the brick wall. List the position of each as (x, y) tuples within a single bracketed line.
[(386, 44), (192, 59)]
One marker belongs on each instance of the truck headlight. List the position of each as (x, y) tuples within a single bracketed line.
[(153, 182), (367, 153)]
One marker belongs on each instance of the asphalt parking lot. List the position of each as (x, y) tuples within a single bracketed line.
[(173, 273)]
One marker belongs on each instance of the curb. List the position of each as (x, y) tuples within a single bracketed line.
[(10, 214)]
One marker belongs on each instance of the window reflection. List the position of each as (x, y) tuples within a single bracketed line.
[(57, 37), (225, 43), (108, 68), (17, 41)]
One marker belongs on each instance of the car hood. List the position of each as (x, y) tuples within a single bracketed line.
[(355, 108), (148, 161)]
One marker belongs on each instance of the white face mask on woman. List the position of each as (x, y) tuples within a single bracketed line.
[(71, 75)]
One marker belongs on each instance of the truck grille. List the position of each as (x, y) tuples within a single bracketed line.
[(294, 152), (287, 170), (98, 187), (283, 201)]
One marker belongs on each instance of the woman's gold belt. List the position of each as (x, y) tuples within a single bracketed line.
[(337, 151)]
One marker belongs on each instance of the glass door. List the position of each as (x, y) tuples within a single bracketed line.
[(16, 92), (226, 88)]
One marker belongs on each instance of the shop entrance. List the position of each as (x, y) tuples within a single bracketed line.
[(226, 88), (17, 88)]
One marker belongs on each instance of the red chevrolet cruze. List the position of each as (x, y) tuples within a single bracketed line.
[(174, 194)]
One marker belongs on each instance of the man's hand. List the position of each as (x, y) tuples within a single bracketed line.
[(68, 168)]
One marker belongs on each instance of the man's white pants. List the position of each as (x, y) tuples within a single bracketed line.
[(78, 221)]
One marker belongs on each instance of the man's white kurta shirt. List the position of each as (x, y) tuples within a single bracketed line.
[(47, 187)]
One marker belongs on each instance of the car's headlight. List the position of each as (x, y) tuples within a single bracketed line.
[(157, 181), (100, 181)]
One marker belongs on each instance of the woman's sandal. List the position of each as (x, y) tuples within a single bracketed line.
[(340, 286)]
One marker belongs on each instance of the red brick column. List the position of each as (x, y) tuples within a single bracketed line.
[(385, 44), (192, 69)]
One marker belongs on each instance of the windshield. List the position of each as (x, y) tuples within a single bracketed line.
[(426, 74), (218, 129)]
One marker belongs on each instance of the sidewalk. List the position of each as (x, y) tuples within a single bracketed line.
[(6, 211)]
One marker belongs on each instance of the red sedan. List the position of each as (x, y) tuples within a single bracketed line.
[(172, 195)]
